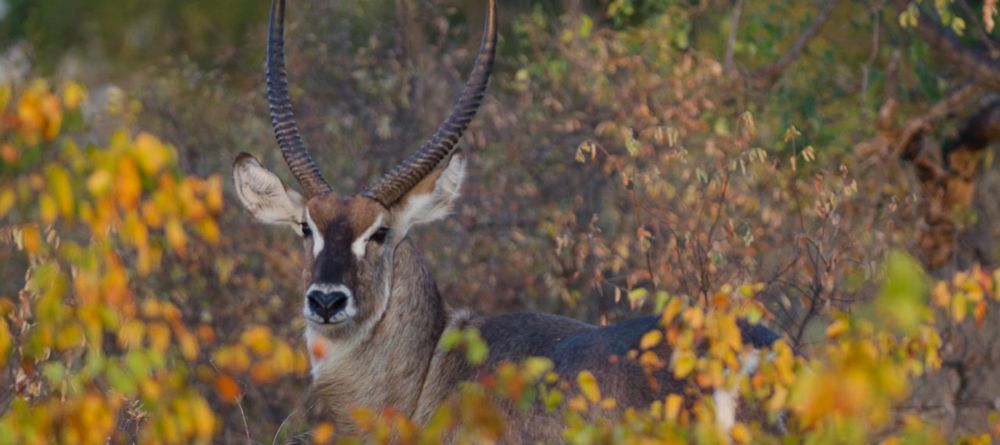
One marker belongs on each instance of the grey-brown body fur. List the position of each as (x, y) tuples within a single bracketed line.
[(401, 366)]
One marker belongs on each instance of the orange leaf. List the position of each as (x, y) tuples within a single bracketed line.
[(228, 389), (323, 433), (318, 349)]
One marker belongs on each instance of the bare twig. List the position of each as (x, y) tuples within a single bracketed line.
[(734, 27), (770, 72)]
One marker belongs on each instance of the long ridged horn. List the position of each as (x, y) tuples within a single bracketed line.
[(404, 176), (286, 131)]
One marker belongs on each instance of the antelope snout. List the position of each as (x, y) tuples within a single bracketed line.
[(328, 305)]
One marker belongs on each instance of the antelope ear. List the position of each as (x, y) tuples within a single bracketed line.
[(263, 193), (431, 199)]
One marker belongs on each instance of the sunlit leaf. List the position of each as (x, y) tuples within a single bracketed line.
[(903, 295), (588, 386), (651, 339), (227, 388)]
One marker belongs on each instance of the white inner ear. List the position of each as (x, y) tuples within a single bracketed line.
[(317, 236), (428, 207), (264, 195), (358, 246)]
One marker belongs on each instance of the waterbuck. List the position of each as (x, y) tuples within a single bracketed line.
[(374, 315)]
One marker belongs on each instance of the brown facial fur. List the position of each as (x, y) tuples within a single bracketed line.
[(357, 212), (340, 221)]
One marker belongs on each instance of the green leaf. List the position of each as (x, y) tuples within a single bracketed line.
[(450, 339), (476, 351), (902, 299)]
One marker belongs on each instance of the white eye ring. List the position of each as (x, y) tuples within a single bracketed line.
[(316, 236), (358, 246)]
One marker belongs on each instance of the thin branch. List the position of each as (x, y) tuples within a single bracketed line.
[(873, 54), (945, 43), (938, 111), (770, 72), (887, 112), (734, 27)]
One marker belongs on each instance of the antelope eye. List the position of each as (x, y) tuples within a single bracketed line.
[(306, 232), (379, 235)]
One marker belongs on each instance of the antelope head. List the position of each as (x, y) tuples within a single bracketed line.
[(350, 241)]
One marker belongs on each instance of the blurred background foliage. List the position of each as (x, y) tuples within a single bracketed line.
[(630, 153)]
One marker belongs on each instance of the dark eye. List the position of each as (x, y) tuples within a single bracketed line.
[(306, 232), (379, 235)]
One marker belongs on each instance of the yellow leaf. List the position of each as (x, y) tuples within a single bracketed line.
[(836, 329), (5, 342), (128, 185), (31, 240), (996, 273), (778, 399), (159, 336), (6, 91), (684, 362), (233, 358), (283, 359), (176, 236), (99, 182), (673, 308), (651, 339), (47, 208), (131, 333), (150, 153), (7, 200), (694, 317), (208, 230), (588, 386), (29, 116), (941, 295), (213, 196), (151, 214), (741, 434), (608, 404), (70, 336), (959, 308), (204, 419), (577, 404), (673, 407), (649, 359), (258, 339), (53, 116), (73, 95), (189, 346), (62, 190)]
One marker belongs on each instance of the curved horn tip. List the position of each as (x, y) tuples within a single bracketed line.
[(407, 174)]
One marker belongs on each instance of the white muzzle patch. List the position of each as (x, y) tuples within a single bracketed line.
[(349, 311)]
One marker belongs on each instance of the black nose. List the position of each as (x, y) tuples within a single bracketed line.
[(326, 304)]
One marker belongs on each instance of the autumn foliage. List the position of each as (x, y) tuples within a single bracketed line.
[(618, 168)]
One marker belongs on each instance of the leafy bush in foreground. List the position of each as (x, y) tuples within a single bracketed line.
[(91, 353)]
